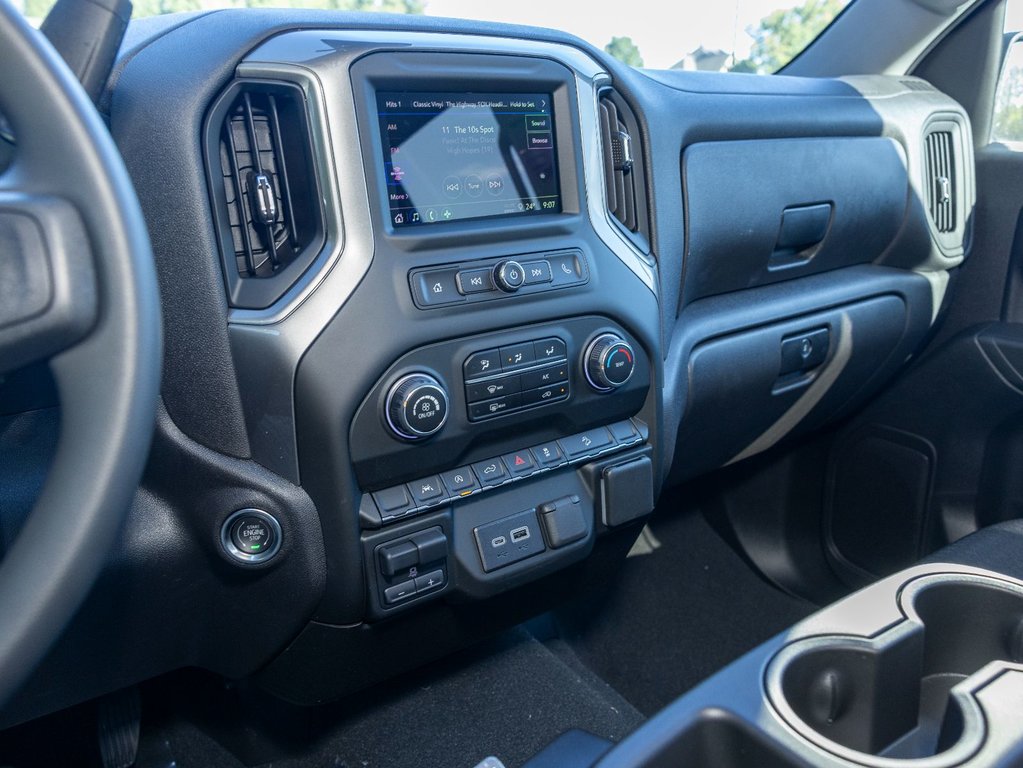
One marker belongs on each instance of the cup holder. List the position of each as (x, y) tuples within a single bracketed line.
[(906, 696)]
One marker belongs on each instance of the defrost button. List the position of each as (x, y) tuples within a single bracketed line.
[(495, 407)]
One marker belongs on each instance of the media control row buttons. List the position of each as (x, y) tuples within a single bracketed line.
[(482, 281), (412, 498), (437, 287), (475, 281), (537, 272)]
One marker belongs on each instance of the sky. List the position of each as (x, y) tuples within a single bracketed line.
[(1014, 16), (664, 31)]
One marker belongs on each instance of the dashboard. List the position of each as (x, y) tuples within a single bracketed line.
[(448, 307)]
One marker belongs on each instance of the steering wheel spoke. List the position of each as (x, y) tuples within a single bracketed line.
[(48, 296)]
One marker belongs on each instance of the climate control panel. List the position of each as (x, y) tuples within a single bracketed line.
[(461, 401), (508, 379)]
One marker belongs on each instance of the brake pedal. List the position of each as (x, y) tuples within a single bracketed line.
[(119, 724)]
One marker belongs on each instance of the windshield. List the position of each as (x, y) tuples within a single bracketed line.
[(759, 36)]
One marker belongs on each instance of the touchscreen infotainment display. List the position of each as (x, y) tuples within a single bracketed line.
[(456, 156)]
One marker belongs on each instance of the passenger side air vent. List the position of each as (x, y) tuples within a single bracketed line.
[(913, 84), (940, 169), (622, 170), (266, 196)]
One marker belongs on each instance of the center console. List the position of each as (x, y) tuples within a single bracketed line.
[(475, 389), (515, 446)]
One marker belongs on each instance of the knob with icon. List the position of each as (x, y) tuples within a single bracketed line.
[(609, 362), (417, 406), (509, 276)]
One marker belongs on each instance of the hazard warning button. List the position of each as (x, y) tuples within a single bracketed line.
[(520, 463)]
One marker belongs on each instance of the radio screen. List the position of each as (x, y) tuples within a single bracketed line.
[(457, 156)]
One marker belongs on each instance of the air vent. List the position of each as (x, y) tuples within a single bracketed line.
[(918, 85), (939, 159), (265, 190), (621, 170)]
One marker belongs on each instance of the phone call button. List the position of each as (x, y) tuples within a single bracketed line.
[(566, 268)]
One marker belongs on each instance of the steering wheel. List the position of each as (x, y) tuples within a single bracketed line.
[(77, 289)]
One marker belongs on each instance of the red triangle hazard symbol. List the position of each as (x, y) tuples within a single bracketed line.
[(519, 461)]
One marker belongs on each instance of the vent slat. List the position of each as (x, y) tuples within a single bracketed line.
[(248, 255), (917, 85), (940, 169), (929, 173), (250, 128), (620, 181), (946, 172), (255, 153), (620, 194), (282, 168), (605, 109)]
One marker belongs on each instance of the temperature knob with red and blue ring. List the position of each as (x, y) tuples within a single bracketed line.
[(609, 362)]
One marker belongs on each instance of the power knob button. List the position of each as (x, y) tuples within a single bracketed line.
[(417, 406), (509, 276)]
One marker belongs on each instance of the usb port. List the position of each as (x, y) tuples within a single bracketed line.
[(520, 534)]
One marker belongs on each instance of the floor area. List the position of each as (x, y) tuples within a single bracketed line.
[(508, 698), (681, 610), (684, 605)]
